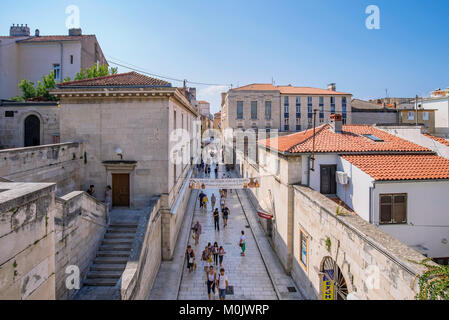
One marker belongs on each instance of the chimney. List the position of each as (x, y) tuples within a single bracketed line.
[(75, 32), (19, 31), (332, 87), (37, 33), (336, 123)]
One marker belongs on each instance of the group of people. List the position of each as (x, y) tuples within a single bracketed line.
[(107, 195)]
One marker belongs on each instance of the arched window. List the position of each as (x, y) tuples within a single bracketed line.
[(32, 131), (331, 271)]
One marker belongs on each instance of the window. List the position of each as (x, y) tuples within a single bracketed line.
[(240, 110), (425, 116), (286, 107), (174, 120), (373, 137), (57, 72), (393, 208), (309, 107), (298, 107), (254, 110), (332, 105), (286, 126), (298, 124), (9, 114), (267, 110), (304, 244), (411, 115), (344, 109), (71, 59)]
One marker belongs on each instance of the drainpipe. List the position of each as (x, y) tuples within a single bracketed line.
[(61, 73), (371, 203), (308, 171)]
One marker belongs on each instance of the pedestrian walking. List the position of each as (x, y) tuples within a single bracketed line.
[(190, 256), (215, 249), (108, 197), (222, 202), (242, 243), (225, 212), (205, 201), (197, 230), (211, 281), (216, 171), (205, 259), (222, 284), (217, 220), (201, 196), (213, 200), (221, 253)]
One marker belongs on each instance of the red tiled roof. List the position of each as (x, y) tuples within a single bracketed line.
[(56, 38), (289, 89), (401, 167), (351, 139), (440, 140), (122, 79)]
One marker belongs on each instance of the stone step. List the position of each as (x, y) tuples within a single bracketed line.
[(118, 241), (111, 260), (101, 282), (104, 274), (113, 254), (118, 236), (115, 247), (133, 226), (108, 267), (121, 230)]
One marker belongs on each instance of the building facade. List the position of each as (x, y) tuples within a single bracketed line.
[(23, 56), (285, 108)]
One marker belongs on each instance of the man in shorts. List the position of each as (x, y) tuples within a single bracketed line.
[(222, 284)]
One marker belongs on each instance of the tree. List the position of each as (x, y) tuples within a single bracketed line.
[(95, 72)]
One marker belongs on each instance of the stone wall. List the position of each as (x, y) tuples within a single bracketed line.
[(80, 224), (12, 127), (59, 163), (145, 259), (370, 118), (27, 265), (374, 264)]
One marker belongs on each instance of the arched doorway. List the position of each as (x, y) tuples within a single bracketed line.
[(331, 271), (32, 131)]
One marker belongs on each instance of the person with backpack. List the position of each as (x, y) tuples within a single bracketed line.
[(217, 219), (205, 201), (222, 284), (201, 196), (190, 256), (211, 281), (225, 212)]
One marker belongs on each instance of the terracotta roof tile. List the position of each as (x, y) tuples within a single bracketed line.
[(351, 139), (401, 167), (117, 80), (440, 140), (289, 89)]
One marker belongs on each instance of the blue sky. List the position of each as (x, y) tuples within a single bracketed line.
[(304, 43)]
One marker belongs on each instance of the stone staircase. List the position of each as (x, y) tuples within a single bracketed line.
[(112, 256)]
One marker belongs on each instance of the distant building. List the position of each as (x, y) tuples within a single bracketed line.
[(441, 106), (366, 112), (23, 56), (217, 121), (285, 108), (28, 124), (204, 108)]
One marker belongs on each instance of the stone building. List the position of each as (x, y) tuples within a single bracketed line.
[(28, 124), (285, 108), (125, 122), (25, 56), (307, 180)]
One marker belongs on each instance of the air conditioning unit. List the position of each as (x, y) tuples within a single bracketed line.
[(342, 177)]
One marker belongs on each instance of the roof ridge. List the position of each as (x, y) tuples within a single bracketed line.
[(97, 78)]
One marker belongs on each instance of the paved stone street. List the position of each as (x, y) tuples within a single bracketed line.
[(248, 275)]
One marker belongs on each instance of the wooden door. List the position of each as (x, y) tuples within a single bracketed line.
[(120, 190), (32, 131), (328, 179)]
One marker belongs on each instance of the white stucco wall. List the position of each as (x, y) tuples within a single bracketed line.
[(321, 159), (442, 111)]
